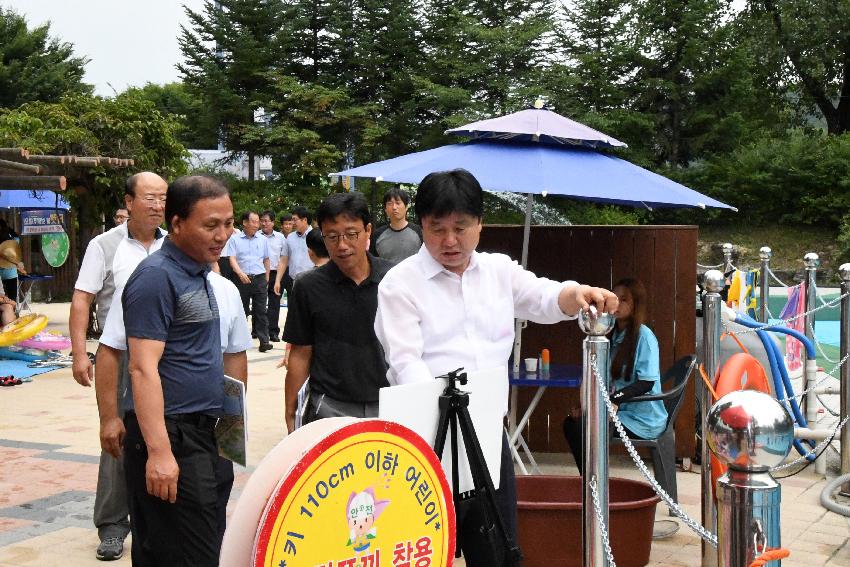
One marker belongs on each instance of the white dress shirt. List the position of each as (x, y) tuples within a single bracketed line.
[(277, 248), (431, 321)]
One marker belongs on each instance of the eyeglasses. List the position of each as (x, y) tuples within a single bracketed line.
[(347, 236), (151, 200)]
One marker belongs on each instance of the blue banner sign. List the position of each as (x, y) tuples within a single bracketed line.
[(42, 221)]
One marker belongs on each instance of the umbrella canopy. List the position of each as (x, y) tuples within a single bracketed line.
[(538, 125), (533, 168), (17, 199)]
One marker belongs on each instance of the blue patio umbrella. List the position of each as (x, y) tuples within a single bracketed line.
[(19, 199), (534, 168)]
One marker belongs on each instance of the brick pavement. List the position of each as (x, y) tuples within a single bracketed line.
[(48, 470)]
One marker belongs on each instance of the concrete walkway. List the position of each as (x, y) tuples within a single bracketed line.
[(48, 471)]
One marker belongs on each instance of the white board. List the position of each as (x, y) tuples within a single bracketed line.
[(416, 406)]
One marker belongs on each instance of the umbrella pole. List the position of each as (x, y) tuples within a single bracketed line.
[(526, 235)]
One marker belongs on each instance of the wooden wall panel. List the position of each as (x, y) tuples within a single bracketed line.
[(663, 257)]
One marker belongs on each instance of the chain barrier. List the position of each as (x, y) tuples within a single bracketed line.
[(774, 276), (818, 295), (783, 322), (672, 504), (600, 521), (818, 345), (816, 451), (799, 397), (709, 267)]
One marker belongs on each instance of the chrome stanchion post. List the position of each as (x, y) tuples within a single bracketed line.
[(810, 367), (727, 256), (594, 420), (844, 272), (751, 432), (714, 282), (764, 282)]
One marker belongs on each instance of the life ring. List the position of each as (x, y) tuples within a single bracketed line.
[(22, 329), (741, 372), (46, 340)]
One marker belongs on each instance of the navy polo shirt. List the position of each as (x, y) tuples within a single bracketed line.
[(169, 299)]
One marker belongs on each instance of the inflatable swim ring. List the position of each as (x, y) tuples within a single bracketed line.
[(46, 340), (741, 372), (22, 328), (25, 354)]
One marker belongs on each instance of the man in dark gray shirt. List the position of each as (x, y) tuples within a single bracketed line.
[(177, 377), (331, 320), (400, 238)]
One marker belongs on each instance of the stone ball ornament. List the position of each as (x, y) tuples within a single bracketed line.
[(749, 431), (594, 323)]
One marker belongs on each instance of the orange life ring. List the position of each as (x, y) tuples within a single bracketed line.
[(22, 329), (741, 372)]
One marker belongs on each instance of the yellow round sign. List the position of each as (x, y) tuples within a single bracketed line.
[(372, 493)]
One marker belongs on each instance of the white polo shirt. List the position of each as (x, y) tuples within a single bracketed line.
[(109, 261), (235, 335)]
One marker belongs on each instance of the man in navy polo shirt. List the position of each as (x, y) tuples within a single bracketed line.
[(177, 379)]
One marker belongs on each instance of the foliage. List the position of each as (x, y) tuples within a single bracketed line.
[(198, 129), (127, 126), (35, 66)]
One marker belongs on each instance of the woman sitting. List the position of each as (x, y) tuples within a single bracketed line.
[(634, 370), (7, 310)]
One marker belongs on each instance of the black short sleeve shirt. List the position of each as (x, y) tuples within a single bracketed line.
[(329, 312)]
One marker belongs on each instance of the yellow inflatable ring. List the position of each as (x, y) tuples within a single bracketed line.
[(22, 329)]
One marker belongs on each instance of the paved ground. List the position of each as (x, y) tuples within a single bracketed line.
[(48, 471)]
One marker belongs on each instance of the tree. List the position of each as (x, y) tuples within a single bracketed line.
[(126, 126), (815, 42), (230, 49), (199, 129), (34, 66)]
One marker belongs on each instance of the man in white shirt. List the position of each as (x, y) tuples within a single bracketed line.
[(109, 261), (449, 306), (235, 341), (278, 261), (297, 243)]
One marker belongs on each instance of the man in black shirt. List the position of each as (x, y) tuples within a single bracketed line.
[(331, 319), (398, 239)]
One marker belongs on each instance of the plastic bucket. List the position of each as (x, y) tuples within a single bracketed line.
[(550, 520)]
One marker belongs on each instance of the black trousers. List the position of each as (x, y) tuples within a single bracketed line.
[(574, 433), (254, 296), (274, 306), (186, 533), (471, 538)]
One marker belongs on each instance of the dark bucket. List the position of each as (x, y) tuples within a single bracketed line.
[(550, 520)]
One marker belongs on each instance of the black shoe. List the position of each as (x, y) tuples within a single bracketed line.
[(253, 335), (110, 549), (265, 346), (274, 339)]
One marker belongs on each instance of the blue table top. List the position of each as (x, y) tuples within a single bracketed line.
[(35, 277), (558, 376)]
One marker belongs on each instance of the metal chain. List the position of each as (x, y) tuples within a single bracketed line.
[(803, 394), (769, 271), (672, 504), (823, 302), (709, 267), (818, 345), (816, 451), (783, 322), (600, 521), (828, 409)]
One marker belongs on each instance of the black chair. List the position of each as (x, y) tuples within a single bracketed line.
[(663, 448)]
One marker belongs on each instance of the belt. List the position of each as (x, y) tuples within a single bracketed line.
[(202, 420)]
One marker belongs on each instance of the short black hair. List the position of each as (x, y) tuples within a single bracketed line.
[(352, 205), (247, 214), (303, 213), (316, 243), (444, 192), (185, 191), (395, 192), (285, 217), (269, 214)]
